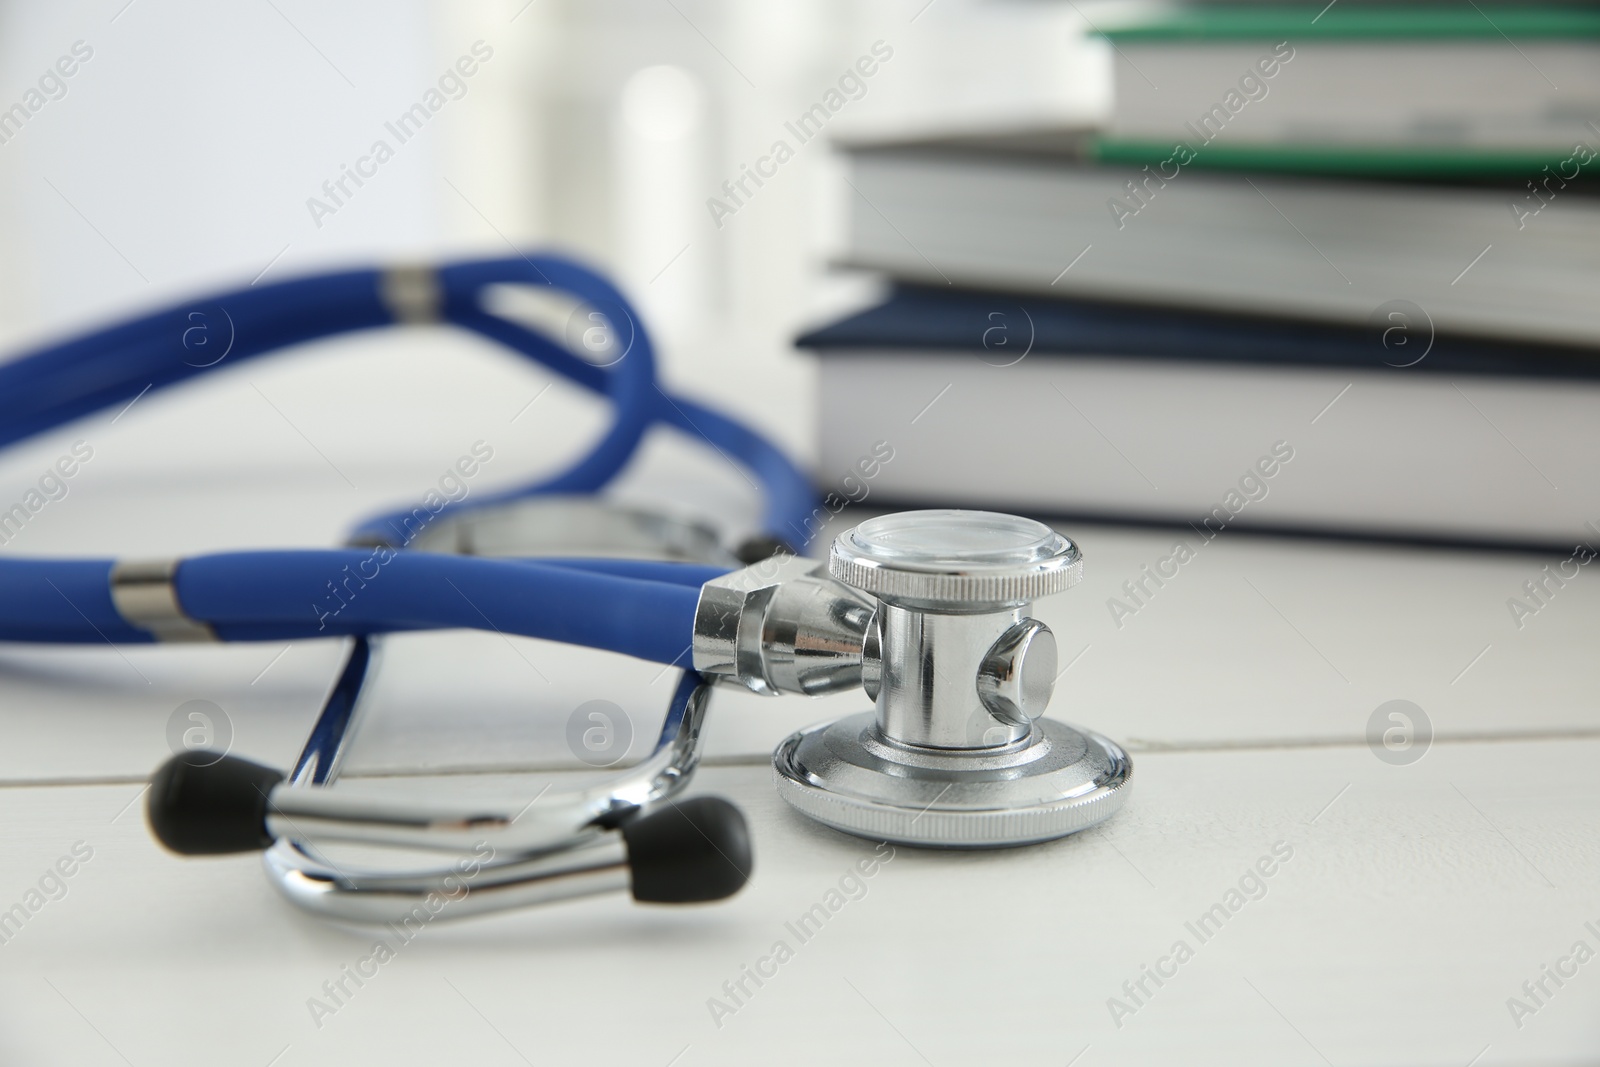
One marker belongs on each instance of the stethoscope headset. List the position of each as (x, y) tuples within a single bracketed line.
[(953, 757)]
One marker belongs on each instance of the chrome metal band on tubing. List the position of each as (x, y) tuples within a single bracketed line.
[(146, 596)]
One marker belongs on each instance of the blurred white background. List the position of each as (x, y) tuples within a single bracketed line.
[(184, 152)]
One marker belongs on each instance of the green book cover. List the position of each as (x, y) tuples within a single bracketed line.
[(1359, 22), (1398, 162)]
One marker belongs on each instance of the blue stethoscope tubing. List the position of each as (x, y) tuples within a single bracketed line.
[(637, 608)]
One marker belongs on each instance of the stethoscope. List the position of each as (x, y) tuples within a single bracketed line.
[(926, 611)]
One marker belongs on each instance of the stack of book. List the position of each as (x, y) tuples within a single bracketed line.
[(1359, 245)]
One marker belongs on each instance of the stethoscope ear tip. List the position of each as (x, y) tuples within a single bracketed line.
[(688, 851), (204, 803)]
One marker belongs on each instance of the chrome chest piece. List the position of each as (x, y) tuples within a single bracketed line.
[(928, 612)]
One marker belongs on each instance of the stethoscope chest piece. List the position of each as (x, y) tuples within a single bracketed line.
[(955, 754)]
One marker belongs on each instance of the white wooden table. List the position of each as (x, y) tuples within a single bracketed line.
[(1406, 905)]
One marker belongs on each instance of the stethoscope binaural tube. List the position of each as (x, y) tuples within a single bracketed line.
[(44, 389), (47, 388), (272, 595)]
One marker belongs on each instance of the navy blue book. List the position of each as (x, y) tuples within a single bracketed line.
[(1127, 413)]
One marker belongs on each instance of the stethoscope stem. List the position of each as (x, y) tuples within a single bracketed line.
[(678, 853), (557, 845), (347, 815), (692, 851), (596, 866)]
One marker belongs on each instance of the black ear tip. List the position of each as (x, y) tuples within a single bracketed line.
[(205, 804), (688, 852)]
